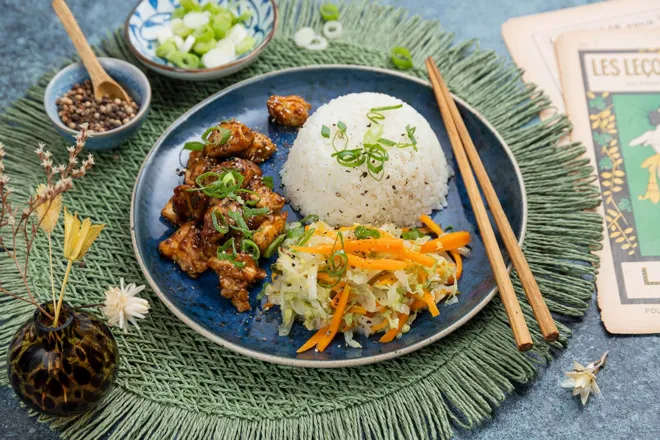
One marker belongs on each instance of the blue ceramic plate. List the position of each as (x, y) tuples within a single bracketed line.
[(198, 302)]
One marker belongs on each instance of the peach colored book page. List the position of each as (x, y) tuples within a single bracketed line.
[(611, 81), (531, 39)]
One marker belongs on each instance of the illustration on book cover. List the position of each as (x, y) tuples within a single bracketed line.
[(623, 97)]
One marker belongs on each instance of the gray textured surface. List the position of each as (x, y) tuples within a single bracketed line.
[(35, 42)]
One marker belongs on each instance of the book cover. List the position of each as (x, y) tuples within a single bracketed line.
[(531, 39), (611, 89)]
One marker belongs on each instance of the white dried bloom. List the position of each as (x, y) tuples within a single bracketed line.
[(40, 150), (583, 379), (11, 220), (4, 180), (59, 169), (73, 160), (47, 154), (2, 150), (71, 149), (122, 306), (47, 163)]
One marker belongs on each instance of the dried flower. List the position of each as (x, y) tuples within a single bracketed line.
[(123, 306), (583, 379), (48, 212), (78, 236)]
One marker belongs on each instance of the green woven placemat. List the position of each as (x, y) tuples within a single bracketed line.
[(174, 383)]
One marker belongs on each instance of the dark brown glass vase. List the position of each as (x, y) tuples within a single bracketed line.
[(66, 370)]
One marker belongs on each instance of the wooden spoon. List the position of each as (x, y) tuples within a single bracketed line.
[(104, 85)]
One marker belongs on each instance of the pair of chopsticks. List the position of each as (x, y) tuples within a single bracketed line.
[(466, 154)]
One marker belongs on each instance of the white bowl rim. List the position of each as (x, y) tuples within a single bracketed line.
[(146, 102), (309, 363), (157, 66)]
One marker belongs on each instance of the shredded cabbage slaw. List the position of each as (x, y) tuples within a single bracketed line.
[(362, 279)]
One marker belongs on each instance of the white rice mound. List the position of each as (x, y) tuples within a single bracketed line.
[(414, 182)]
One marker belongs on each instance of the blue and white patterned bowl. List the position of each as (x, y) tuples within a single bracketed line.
[(144, 20), (132, 79)]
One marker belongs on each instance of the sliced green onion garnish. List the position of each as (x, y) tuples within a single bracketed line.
[(373, 134), (221, 25), (221, 255), (341, 126), (251, 248), (386, 142), (312, 218), (362, 233), (305, 237), (401, 58), (241, 226), (329, 12), (325, 131), (225, 134), (250, 202), (350, 158), (208, 131), (449, 228), (200, 48), (190, 5), (268, 181), (295, 232), (245, 16), (412, 234), (274, 246), (253, 212), (212, 8), (166, 48), (386, 108), (261, 294), (203, 34), (193, 146), (178, 13), (341, 135), (375, 117), (245, 45), (219, 223), (223, 186)]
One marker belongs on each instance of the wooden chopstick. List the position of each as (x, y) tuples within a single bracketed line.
[(534, 297), (539, 307), (511, 306)]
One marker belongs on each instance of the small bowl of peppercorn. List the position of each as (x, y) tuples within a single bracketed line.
[(69, 102)]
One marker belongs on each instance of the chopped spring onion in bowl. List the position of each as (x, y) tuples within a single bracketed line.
[(329, 12), (204, 36)]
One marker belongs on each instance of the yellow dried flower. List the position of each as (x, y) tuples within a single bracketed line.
[(48, 212), (78, 236)]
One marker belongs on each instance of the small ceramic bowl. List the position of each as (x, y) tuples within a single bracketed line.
[(144, 20), (127, 75)]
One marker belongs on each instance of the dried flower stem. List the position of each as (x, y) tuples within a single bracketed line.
[(50, 261), (59, 302)]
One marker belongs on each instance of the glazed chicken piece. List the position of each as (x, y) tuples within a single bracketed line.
[(245, 168), (272, 226), (267, 199), (184, 247), (185, 205), (291, 110), (198, 164), (211, 237), (235, 280), (261, 150), (240, 139)]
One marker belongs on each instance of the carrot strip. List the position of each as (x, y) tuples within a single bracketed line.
[(377, 264), (358, 309), (418, 257), (429, 300), (311, 342), (447, 242), (459, 263), (433, 226), (391, 333), (417, 304), (380, 326), (336, 320), (268, 305)]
